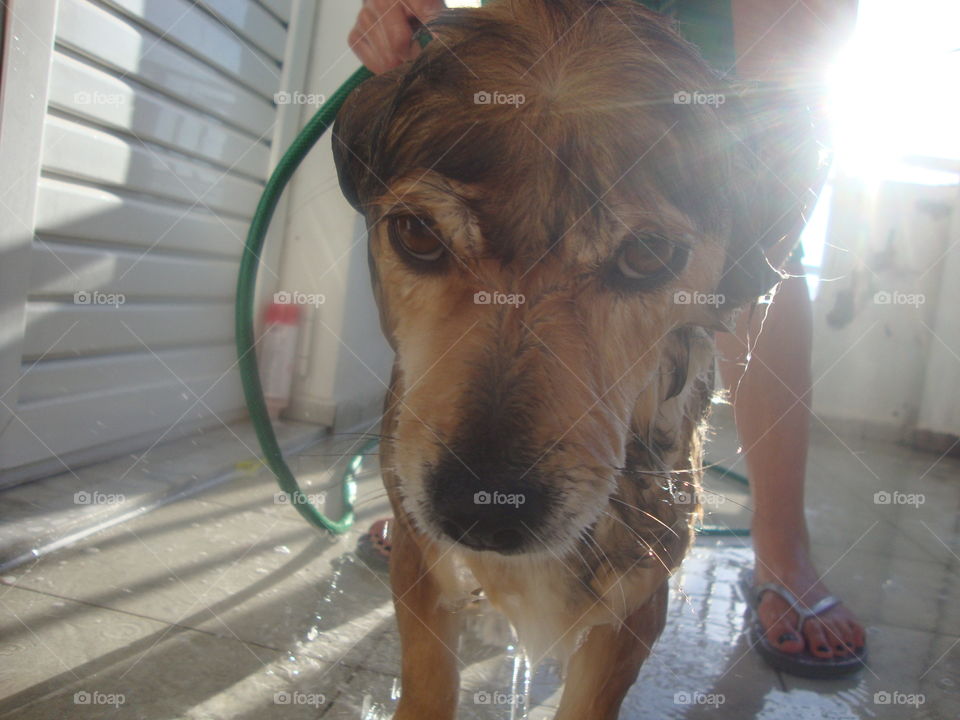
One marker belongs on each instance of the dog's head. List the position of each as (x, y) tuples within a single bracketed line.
[(552, 189)]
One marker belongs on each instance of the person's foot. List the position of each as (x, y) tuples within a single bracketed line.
[(374, 547), (834, 633)]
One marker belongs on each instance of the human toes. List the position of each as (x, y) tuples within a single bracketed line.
[(818, 644)]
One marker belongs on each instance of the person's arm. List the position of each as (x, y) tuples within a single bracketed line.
[(383, 35), (789, 42)]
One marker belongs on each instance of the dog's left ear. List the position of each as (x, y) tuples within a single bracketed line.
[(779, 171), (358, 132)]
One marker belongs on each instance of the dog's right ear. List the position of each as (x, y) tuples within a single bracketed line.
[(358, 132)]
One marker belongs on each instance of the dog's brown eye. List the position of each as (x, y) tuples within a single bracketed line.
[(642, 256), (643, 262), (417, 236)]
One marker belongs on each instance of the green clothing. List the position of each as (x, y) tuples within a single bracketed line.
[(708, 24)]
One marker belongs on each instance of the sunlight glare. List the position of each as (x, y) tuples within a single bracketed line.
[(895, 89)]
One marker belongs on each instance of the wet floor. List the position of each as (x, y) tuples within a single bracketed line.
[(228, 605)]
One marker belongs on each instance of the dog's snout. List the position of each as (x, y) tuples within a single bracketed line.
[(502, 528), (485, 531), (489, 507)]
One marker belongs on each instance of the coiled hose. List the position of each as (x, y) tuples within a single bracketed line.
[(246, 287)]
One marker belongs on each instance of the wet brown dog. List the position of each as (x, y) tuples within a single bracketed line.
[(563, 203)]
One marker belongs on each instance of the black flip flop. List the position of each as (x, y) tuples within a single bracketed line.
[(802, 664)]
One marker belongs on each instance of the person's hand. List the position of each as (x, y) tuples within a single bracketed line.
[(383, 35)]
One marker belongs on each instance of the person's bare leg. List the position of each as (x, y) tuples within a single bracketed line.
[(771, 405)]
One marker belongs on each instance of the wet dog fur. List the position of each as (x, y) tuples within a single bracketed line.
[(548, 448)]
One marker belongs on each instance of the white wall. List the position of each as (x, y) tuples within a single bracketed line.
[(345, 361), (880, 358), (940, 406)]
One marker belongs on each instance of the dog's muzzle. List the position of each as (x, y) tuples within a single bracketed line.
[(489, 505)]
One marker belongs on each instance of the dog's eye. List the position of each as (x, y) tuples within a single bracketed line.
[(642, 256), (643, 262), (416, 236)]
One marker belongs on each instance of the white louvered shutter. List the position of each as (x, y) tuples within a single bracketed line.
[(156, 144)]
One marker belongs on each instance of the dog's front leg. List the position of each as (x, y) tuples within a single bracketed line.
[(604, 667), (430, 678)]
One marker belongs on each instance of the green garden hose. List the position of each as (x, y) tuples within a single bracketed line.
[(244, 315), (246, 286)]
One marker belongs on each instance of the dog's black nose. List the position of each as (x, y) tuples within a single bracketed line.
[(497, 528), (489, 508), (491, 519)]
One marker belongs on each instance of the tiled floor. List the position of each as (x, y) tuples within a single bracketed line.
[(228, 605), (46, 514)]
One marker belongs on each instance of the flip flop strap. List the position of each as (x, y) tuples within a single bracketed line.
[(821, 606), (828, 602), (777, 589)]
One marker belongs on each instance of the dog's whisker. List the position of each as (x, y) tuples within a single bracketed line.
[(586, 537), (364, 504), (373, 496), (592, 543), (339, 455), (672, 471), (588, 570), (647, 513), (726, 498), (359, 438), (583, 581), (360, 502), (639, 537)]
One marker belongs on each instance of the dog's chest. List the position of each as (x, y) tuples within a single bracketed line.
[(548, 614), (540, 615)]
